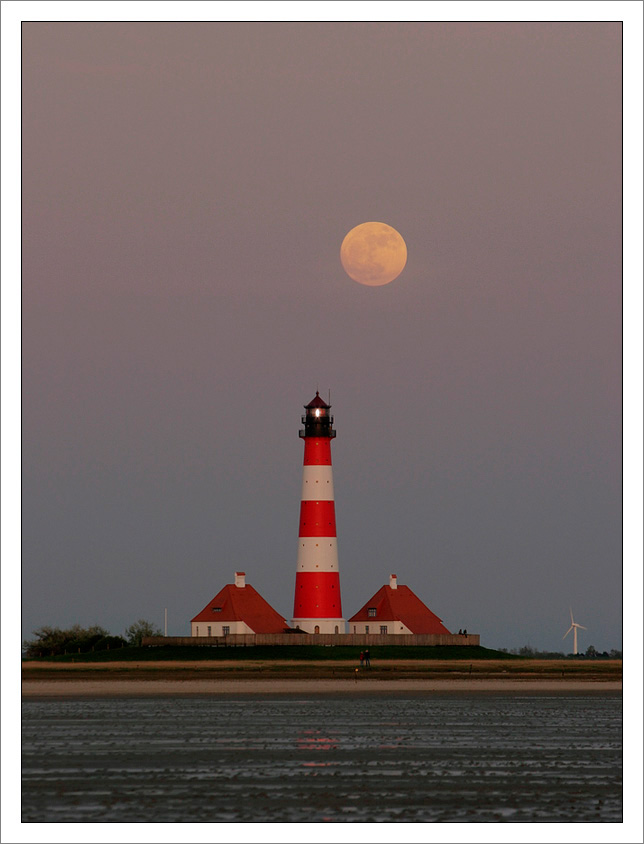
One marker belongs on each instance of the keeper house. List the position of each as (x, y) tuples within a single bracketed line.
[(237, 608), (396, 609)]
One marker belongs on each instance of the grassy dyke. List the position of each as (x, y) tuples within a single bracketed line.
[(280, 652)]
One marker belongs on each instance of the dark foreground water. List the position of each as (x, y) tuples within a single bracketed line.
[(442, 758)]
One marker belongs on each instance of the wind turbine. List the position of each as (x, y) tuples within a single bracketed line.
[(573, 627)]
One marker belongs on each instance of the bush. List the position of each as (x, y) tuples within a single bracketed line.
[(108, 643), (52, 641), (135, 632)]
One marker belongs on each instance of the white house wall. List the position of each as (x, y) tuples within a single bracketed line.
[(200, 628), (394, 628)]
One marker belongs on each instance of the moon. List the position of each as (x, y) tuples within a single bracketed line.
[(373, 254)]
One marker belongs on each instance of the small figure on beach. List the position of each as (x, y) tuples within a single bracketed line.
[(465, 632), (460, 631), (367, 661), (361, 658)]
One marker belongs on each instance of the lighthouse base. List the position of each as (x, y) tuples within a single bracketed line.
[(320, 625)]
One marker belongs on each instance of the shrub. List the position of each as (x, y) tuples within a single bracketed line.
[(135, 632)]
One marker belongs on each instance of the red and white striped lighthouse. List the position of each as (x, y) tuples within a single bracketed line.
[(317, 606)]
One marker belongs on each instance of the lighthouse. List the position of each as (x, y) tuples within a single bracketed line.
[(317, 606)]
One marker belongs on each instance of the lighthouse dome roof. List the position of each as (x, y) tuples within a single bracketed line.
[(317, 401)]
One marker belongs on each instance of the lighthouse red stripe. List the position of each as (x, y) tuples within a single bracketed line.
[(317, 518), (317, 451), (317, 595)]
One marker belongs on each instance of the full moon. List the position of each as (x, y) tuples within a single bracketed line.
[(373, 254)]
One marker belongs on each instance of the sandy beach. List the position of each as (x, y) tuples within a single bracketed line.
[(139, 688), (123, 679)]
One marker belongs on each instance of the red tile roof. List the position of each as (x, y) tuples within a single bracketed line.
[(402, 605), (243, 604)]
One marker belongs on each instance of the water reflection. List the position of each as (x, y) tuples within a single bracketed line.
[(313, 740), (431, 759)]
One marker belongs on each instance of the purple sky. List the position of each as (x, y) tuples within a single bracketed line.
[(186, 189)]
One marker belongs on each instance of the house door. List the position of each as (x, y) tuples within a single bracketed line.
[(317, 628)]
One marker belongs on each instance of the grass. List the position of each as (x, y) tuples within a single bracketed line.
[(281, 652), (255, 667)]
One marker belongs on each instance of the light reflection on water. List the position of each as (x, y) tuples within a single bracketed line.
[(448, 758)]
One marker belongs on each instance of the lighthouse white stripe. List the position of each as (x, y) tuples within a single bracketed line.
[(317, 553), (317, 483)]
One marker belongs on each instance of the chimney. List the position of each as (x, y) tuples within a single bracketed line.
[(240, 579), (393, 583)]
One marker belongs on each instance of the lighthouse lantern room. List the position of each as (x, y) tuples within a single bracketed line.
[(317, 604)]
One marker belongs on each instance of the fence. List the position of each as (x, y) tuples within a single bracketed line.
[(355, 640)]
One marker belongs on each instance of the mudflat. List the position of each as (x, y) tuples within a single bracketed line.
[(55, 679), (392, 757)]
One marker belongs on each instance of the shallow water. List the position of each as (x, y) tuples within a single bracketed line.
[(436, 758)]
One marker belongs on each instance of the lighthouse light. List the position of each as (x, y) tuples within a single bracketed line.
[(317, 412)]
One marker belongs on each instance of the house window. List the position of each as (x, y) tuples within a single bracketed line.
[(366, 628), (225, 630), (209, 630), (354, 628), (383, 628), (372, 612), (197, 633), (216, 609)]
